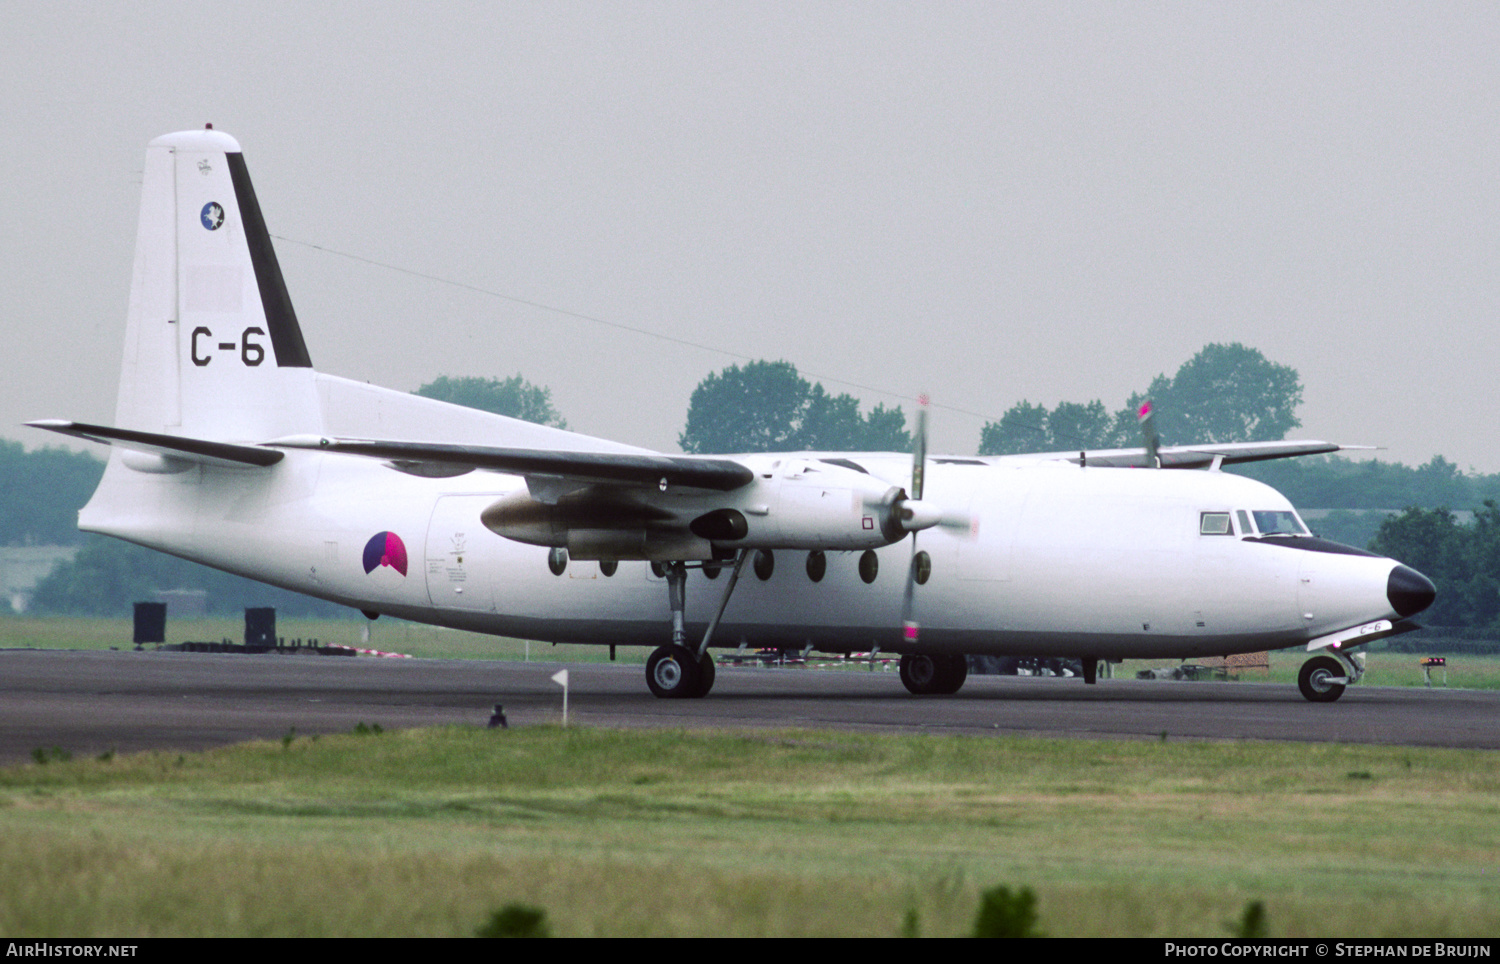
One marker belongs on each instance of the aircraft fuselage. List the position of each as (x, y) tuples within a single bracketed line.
[(1062, 560)]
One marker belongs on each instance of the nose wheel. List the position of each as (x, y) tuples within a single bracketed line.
[(1322, 679)]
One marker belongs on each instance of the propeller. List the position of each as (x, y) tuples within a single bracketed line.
[(913, 514)]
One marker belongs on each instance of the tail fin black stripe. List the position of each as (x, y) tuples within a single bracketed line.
[(286, 334)]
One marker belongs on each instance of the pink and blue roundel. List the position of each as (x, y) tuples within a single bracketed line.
[(385, 549)]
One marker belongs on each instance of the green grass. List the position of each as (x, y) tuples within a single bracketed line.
[(388, 635), (430, 832)]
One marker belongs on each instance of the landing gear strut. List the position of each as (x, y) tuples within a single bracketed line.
[(680, 670), (933, 675)]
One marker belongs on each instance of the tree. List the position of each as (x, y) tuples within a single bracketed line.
[(107, 575), (1021, 429), (766, 406), (1225, 393), (829, 422), (1074, 426), (41, 493), (513, 396), (752, 409), (885, 430), (1031, 428), (1432, 542)]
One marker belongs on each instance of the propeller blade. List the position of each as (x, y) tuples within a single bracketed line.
[(909, 630), (1147, 419), (914, 516), (961, 522), (919, 450)]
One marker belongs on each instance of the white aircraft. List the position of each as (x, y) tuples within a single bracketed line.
[(229, 449)]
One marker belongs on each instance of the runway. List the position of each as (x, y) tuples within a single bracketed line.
[(89, 702)]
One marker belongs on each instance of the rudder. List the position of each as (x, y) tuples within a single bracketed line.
[(213, 348)]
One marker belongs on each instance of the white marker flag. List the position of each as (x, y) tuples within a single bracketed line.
[(561, 679)]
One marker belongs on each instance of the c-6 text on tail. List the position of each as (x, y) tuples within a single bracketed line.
[(230, 449)]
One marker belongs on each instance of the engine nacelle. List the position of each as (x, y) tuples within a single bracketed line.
[(793, 503)]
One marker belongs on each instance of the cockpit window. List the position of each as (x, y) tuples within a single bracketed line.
[(1214, 524), (1245, 529), (1279, 524)]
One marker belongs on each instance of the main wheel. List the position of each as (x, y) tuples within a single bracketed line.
[(673, 673), (706, 673), (952, 671), (919, 673), (1316, 679)]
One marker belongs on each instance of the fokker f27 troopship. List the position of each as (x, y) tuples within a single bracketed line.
[(231, 450)]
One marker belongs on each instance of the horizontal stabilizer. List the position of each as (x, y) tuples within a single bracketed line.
[(722, 475), (1203, 456), (172, 446)]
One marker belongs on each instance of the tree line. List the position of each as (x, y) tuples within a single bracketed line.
[(1225, 393)]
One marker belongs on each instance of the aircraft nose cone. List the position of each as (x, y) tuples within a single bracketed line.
[(1409, 591)]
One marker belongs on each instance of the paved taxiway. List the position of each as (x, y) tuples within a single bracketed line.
[(89, 702)]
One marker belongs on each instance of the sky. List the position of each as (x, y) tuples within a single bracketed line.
[(985, 202)]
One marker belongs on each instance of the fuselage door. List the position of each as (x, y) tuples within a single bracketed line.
[(461, 553)]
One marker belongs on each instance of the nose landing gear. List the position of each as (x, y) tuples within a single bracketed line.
[(1323, 678)]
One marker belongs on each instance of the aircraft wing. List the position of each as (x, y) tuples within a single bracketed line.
[(1203, 456), (177, 447), (723, 475)]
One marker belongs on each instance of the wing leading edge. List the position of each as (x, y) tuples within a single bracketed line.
[(1201, 456), (722, 475)]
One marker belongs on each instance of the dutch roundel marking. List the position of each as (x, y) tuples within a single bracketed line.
[(385, 549), (212, 215)]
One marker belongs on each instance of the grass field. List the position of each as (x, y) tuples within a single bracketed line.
[(426, 832), (780, 834)]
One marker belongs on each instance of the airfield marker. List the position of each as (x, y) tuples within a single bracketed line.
[(561, 679)]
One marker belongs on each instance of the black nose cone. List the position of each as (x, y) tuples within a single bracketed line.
[(1409, 591)]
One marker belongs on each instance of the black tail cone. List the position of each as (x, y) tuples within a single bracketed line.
[(1409, 591)]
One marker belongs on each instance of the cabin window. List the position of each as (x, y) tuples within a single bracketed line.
[(1214, 524), (1279, 523)]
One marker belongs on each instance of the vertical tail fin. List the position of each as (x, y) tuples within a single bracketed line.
[(212, 346)]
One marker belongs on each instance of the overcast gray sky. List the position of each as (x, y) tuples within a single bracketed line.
[(983, 201)]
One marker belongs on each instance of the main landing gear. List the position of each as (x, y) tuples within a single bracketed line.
[(677, 672), (933, 675), (681, 670)]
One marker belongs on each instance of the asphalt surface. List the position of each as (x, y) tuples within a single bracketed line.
[(90, 702)]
